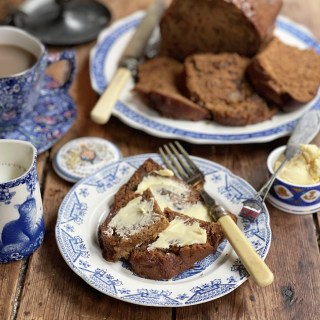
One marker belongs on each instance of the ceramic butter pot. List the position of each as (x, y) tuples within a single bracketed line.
[(292, 197)]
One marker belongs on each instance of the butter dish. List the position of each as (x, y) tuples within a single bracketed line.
[(292, 197)]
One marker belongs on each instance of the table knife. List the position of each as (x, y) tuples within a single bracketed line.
[(129, 61), (307, 127)]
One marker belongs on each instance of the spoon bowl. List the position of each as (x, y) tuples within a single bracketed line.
[(68, 22)]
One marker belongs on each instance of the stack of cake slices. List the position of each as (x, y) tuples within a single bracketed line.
[(159, 224), (220, 61)]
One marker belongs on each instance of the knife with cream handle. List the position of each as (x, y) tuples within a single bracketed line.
[(128, 63)]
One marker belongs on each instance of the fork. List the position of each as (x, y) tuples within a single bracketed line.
[(177, 159)]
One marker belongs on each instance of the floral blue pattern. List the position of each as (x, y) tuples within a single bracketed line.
[(86, 205), (51, 118), (19, 93)]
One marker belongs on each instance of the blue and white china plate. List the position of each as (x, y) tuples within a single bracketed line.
[(51, 118), (87, 205), (131, 109)]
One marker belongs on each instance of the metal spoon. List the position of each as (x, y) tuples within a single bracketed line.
[(37, 14), (306, 129), (62, 22)]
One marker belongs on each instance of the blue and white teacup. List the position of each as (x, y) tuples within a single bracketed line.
[(21, 213), (19, 91)]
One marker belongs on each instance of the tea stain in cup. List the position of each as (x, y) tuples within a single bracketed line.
[(14, 60)]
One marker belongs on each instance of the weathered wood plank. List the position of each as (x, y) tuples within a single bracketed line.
[(9, 282), (51, 290)]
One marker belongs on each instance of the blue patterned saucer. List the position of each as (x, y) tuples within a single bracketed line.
[(50, 120), (86, 206)]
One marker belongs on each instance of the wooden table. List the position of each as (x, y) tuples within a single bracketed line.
[(44, 287)]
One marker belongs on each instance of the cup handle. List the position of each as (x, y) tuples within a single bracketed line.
[(70, 57)]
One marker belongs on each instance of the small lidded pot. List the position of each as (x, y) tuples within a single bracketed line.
[(296, 188)]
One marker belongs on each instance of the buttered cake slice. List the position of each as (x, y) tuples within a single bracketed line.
[(174, 194), (184, 242), (159, 224), (133, 224)]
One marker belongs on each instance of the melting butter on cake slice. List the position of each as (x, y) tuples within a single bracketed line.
[(173, 193), (159, 223), (184, 242), (132, 224)]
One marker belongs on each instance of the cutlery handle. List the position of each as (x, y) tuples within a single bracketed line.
[(256, 267), (102, 110)]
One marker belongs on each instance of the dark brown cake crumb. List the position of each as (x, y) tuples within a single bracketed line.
[(218, 83), (158, 82), (118, 241), (284, 74), (162, 264), (123, 241), (201, 26)]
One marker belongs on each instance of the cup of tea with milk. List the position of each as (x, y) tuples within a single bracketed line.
[(23, 63)]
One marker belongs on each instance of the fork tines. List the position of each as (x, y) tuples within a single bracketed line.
[(176, 158)]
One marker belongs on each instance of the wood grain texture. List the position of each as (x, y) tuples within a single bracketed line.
[(44, 287)]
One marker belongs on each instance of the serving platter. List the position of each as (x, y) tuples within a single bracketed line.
[(87, 205), (132, 110)]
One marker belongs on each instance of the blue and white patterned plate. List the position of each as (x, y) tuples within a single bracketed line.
[(87, 205), (51, 118), (131, 109)]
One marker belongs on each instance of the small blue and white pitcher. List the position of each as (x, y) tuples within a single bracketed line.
[(21, 212)]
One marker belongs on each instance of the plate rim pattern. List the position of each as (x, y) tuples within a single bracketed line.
[(74, 248)]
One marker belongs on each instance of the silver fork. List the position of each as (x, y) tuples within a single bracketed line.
[(177, 159)]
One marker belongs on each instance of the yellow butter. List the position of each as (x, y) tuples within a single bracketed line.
[(179, 233), (130, 219), (169, 193), (302, 169)]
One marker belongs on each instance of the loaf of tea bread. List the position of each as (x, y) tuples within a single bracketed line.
[(217, 82), (159, 82), (196, 26), (285, 75)]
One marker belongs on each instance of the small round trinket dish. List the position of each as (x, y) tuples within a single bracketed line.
[(84, 156)]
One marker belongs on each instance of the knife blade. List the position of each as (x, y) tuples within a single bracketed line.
[(129, 61), (304, 132)]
